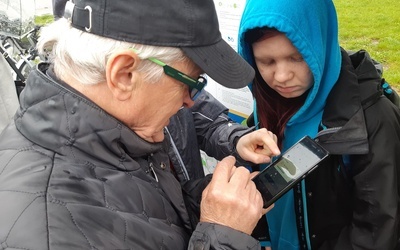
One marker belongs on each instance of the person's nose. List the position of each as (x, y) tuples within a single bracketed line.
[(283, 73), (187, 100)]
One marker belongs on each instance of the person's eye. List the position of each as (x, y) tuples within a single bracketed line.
[(266, 62), (297, 58)]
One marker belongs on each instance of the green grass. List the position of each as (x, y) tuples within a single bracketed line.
[(373, 25), (43, 20)]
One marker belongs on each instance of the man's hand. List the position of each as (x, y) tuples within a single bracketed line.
[(258, 146), (231, 198)]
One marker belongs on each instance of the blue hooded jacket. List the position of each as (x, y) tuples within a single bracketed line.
[(312, 27)]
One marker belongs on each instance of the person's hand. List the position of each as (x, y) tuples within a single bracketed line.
[(265, 210), (231, 198), (258, 146)]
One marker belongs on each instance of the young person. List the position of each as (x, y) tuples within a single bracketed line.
[(305, 84)]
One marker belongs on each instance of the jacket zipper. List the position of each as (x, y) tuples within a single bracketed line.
[(327, 131)]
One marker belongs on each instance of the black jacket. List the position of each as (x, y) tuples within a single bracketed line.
[(353, 199)]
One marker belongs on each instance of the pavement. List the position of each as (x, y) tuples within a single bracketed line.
[(43, 7)]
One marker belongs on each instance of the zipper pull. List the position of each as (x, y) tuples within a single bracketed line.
[(151, 170)]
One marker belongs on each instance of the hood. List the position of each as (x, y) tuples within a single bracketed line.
[(311, 26)]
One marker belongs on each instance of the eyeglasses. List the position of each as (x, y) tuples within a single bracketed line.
[(195, 86)]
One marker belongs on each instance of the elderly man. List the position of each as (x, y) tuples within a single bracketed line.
[(84, 164)]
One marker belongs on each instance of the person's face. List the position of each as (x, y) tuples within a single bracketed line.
[(161, 100), (281, 66)]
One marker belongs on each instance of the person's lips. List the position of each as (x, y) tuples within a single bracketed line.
[(286, 89)]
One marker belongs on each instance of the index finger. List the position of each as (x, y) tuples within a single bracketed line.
[(269, 144)]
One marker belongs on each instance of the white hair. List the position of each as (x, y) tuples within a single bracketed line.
[(83, 56)]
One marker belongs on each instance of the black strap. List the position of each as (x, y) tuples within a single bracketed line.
[(298, 208), (80, 18), (371, 100)]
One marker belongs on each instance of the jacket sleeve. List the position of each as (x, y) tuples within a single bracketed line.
[(376, 176), (214, 236), (217, 133)]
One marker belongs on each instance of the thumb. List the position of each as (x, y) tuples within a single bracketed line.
[(223, 170), (221, 175)]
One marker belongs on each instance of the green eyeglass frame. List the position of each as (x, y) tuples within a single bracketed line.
[(195, 86)]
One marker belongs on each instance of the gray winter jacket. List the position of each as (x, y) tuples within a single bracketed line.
[(74, 177)]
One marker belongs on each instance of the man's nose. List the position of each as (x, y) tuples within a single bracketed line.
[(187, 100)]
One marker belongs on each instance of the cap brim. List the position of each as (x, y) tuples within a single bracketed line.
[(222, 63)]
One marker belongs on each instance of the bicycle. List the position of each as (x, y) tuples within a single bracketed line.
[(21, 54), (18, 38)]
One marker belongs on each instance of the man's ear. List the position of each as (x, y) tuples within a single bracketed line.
[(121, 75)]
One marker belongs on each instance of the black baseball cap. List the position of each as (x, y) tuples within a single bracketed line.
[(191, 25)]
